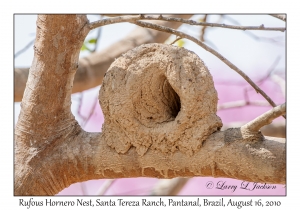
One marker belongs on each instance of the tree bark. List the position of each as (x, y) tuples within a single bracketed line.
[(87, 157), (46, 117)]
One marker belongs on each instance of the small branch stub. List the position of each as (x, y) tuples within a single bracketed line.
[(158, 97), (266, 118)]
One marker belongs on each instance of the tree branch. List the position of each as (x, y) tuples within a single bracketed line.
[(88, 157), (265, 118), (177, 39), (181, 20), (275, 129), (113, 20), (202, 34), (44, 123)]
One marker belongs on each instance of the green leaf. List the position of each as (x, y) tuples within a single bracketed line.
[(92, 41), (84, 47)]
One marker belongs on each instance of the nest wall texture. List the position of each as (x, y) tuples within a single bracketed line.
[(161, 97)]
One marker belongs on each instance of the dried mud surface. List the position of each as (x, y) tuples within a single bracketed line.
[(161, 97)]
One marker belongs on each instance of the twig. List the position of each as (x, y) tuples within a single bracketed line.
[(275, 129), (121, 19), (260, 81), (105, 186), (249, 33), (97, 39), (265, 118), (280, 17), (91, 112), (178, 38), (80, 106), (98, 36), (85, 119), (192, 22), (83, 188), (113, 20), (207, 48), (203, 29), (270, 70), (24, 48), (281, 82)]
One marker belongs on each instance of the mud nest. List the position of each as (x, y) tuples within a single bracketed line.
[(158, 97)]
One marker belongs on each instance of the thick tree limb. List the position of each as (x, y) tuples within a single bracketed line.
[(93, 67), (46, 117), (88, 157)]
